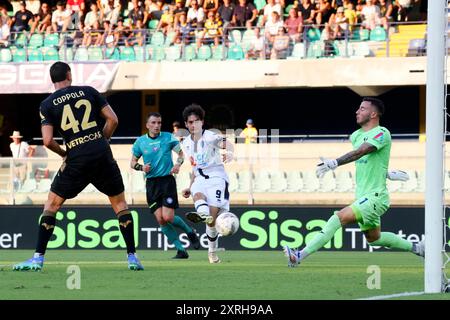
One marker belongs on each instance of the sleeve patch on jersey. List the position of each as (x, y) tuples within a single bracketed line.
[(379, 136)]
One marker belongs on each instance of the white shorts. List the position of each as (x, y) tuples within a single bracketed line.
[(215, 189)]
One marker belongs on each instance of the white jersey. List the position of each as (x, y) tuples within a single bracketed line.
[(205, 156)]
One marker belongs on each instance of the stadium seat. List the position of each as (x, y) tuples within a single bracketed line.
[(5, 55), (313, 34), (260, 4), (310, 182), (173, 53), (29, 185), (140, 53), (137, 181), (364, 34), (153, 24), (170, 38), (51, 40), (204, 53), (298, 52), (378, 34), (35, 54), (190, 52), (327, 182), (344, 181), (262, 182), (417, 47), (183, 180), (286, 11), (359, 49), (81, 54), (447, 181), (127, 54), (278, 181), (36, 40), (112, 53), (247, 39), (236, 36), (20, 40), (219, 53), (19, 55), (412, 184), (294, 181), (43, 186), (244, 181), (95, 54), (157, 39), (315, 50), (90, 189), (420, 181), (235, 52), (234, 182), (393, 186), (65, 54), (50, 54), (158, 53)]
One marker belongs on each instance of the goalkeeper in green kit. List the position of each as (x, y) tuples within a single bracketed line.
[(372, 147)]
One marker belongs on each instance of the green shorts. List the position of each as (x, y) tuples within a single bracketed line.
[(369, 209)]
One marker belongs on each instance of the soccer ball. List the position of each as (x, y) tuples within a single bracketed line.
[(227, 224)]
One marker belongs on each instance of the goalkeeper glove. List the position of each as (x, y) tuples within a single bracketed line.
[(325, 166), (397, 175)]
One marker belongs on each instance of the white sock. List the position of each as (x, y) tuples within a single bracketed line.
[(37, 255), (212, 233), (201, 206)]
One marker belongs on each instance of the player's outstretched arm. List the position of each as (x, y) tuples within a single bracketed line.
[(111, 121), (49, 142)]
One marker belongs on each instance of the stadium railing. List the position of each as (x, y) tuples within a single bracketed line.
[(398, 40)]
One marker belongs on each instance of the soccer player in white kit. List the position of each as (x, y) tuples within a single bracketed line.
[(209, 182)]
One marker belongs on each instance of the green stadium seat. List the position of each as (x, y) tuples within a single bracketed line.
[(65, 54), (378, 34), (35, 54), (313, 34), (236, 36), (190, 52), (158, 53), (286, 10), (173, 53), (157, 39), (219, 53), (36, 40), (21, 40), (315, 50), (153, 24), (127, 54), (50, 54), (95, 54), (204, 53), (298, 52), (140, 53), (259, 4), (81, 54), (364, 34), (235, 52), (51, 40), (112, 53), (247, 39), (19, 55), (170, 38), (5, 55)]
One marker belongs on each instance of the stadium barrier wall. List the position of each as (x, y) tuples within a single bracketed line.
[(261, 228)]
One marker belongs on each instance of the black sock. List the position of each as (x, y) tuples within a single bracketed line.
[(46, 227), (127, 230)]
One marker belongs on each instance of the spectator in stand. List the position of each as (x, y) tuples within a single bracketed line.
[(351, 15), (166, 23), (280, 45), (156, 14), (111, 12), (307, 11), (327, 36), (244, 12), (370, 15), (5, 22), (386, 12), (92, 16), (78, 35), (195, 15), (42, 21), (212, 31), (294, 25), (404, 9), (270, 7), (77, 7), (273, 26), (61, 18), (180, 9), (226, 14), (250, 133), (93, 36), (120, 33), (20, 149), (137, 13), (257, 47), (340, 24), (108, 37), (324, 12), (184, 30), (22, 18), (210, 5), (137, 35)]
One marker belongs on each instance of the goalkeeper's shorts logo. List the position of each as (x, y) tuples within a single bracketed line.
[(169, 200)]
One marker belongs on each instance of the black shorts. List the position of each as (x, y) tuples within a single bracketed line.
[(162, 191), (74, 175)]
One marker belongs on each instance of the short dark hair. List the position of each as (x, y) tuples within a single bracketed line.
[(58, 71), (193, 109), (176, 124), (379, 105), (154, 114)]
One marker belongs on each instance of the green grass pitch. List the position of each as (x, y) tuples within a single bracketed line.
[(252, 275)]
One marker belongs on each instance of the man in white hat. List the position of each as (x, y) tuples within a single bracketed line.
[(20, 149)]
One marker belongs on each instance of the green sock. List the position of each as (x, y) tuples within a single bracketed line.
[(328, 231), (179, 223), (172, 236), (392, 241)]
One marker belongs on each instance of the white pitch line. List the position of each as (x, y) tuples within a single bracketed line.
[(395, 295)]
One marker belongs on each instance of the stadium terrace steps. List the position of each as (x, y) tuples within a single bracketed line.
[(399, 41)]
